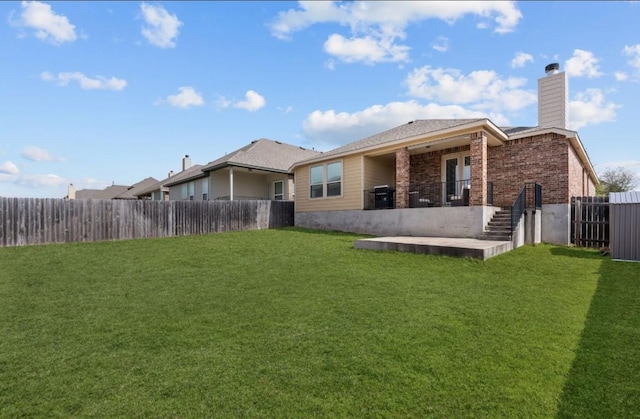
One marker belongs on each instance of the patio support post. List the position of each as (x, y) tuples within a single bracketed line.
[(402, 177), (478, 193), (231, 184)]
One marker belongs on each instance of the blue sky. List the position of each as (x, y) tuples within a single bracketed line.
[(95, 93)]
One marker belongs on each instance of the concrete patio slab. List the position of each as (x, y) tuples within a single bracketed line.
[(479, 249)]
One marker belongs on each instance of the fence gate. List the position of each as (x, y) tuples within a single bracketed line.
[(590, 221)]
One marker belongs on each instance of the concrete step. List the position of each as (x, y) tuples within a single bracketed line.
[(495, 236)]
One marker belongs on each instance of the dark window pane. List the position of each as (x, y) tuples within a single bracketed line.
[(334, 189), (316, 191)]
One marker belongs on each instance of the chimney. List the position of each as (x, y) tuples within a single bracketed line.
[(553, 99), (186, 162), (170, 173), (71, 192)]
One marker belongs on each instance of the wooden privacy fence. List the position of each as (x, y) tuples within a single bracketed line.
[(26, 221), (590, 221)]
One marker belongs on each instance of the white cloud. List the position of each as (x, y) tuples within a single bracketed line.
[(333, 128), (48, 26), (481, 90), (85, 83), (589, 108), (37, 181), (161, 27), (582, 64), (620, 76), (8, 168), (187, 98), (441, 44), (376, 26), (633, 52), (253, 101), (365, 49), (34, 153), (521, 59)]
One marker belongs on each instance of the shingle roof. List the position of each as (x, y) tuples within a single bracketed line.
[(193, 172), (411, 129), (106, 193), (132, 191), (264, 154)]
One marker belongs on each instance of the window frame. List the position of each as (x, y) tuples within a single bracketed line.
[(281, 194), (326, 183)]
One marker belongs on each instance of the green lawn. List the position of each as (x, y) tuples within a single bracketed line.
[(291, 323)]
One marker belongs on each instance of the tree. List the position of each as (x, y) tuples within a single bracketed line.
[(619, 179)]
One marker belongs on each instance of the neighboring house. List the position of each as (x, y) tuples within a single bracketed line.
[(448, 177), (111, 192), (259, 170), (160, 190)]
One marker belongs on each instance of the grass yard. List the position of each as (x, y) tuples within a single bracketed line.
[(292, 323)]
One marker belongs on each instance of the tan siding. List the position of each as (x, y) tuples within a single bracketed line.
[(351, 188), (379, 171)]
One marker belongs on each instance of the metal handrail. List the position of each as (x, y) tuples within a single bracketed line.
[(522, 203), (437, 194), (518, 208)]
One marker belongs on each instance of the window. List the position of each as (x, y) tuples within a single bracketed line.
[(278, 190), (205, 189), (188, 190), (325, 180)]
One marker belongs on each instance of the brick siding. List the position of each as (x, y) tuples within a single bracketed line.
[(541, 158), (403, 170), (547, 159)]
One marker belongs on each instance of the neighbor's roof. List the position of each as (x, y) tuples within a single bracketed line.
[(630, 197), (194, 172), (263, 154), (413, 129), (107, 193), (132, 191)]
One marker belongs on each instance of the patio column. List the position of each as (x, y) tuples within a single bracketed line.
[(231, 184), (478, 193), (402, 177)]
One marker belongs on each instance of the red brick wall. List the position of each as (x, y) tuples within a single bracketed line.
[(426, 168), (478, 169), (542, 159), (403, 180), (546, 159)]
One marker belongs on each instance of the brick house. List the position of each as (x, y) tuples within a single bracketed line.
[(449, 177)]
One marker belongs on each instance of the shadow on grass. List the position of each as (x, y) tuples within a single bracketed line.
[(604, 380)]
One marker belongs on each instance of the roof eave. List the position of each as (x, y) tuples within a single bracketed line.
[(495, 131), (245, 166)]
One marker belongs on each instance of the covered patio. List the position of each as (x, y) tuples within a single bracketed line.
[(440, 169)]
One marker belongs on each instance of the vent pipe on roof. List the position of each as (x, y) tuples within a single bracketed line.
[(170, 173), (551, 69), (186, 162)]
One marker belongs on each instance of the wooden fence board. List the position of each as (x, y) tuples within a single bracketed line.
[(27, 221), (590, 221)]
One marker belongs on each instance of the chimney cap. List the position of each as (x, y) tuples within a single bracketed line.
[(552, 68)]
